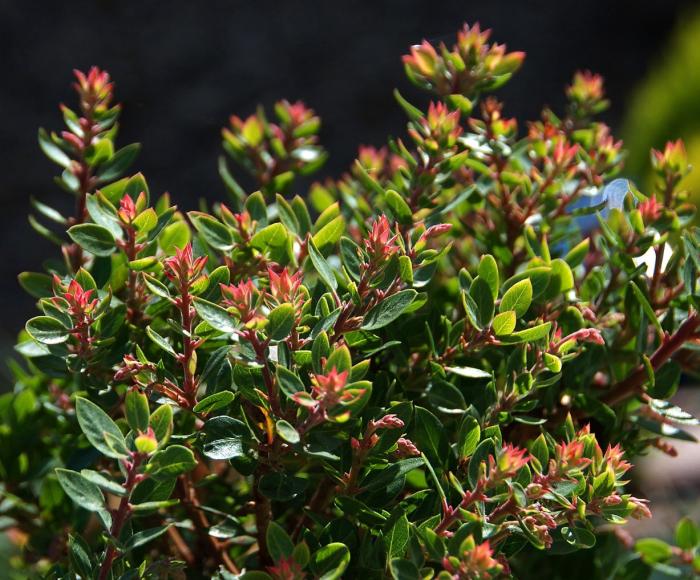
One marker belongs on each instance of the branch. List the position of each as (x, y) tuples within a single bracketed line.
[(634, 383)]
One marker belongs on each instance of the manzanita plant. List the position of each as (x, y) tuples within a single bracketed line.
[(440, 365)]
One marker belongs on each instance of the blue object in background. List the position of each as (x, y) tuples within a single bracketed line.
[(613, 194)]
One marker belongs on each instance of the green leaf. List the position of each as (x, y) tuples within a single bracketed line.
[(146, 220), (481, 454), (174, 236), (539, 450), (214, 402), (84, 493), (414, 113), (36, 284), (517, 298), (137, 411), (430, 437), (160, 341), (118, 163), (578, 253), (103, 213), (47, 330), (280, 322), (141, 538), (216, 234), (322, 266), (468, 437), (330, 562), (279, 544), (504, 323), (171, 462), (403, 570), (469, 372), (156, 286), (162, 423), (340, 359), (280, 486), (103, 482), (287, 432), (384, 477), (653, 550), (53, 151), (529, 334), (329, 234), (488, 271), (687, 534), (288, 382), (80, 556), (646, 308), (396, 536), (271, 237), (96, 239), (388, 310), (100, 430), (398, 206), (481, 294), (287, 215), (216, 316)]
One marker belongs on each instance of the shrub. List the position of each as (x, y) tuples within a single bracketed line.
[(435, 366)]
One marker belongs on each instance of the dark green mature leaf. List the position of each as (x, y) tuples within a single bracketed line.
[(396, 536), (403, 570), (646, 307), (388, 310), (141, 538), (480, 455), (322, 266), (480, 293), (95, 239), (215, 315), (280, 322), (430, 437), (99, 429), (279, 543), (52, 150), (214, 402), (280, 486), (83, 492), (216, 234), (160, 341), (118, 163), (47, 330), (171, 462)]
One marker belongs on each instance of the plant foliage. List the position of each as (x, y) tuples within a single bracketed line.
[(439, 365)]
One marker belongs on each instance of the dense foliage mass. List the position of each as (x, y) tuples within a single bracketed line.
[(438, 366)]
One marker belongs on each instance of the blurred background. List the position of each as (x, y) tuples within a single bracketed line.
[(182, 67)]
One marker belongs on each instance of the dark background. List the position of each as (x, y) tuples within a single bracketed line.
[(183, 66)]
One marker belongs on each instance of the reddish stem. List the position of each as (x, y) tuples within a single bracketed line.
[(633, 384), (122, 513)]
